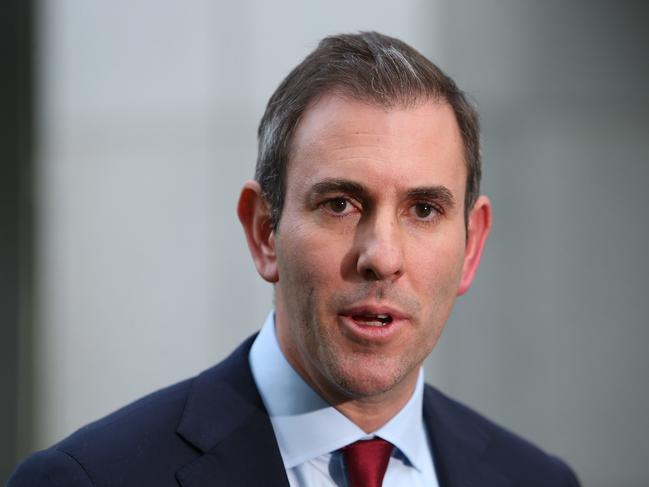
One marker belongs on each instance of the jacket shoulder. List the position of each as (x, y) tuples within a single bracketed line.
[(50, 467), (465, 430), (140, 437), (143, 442)]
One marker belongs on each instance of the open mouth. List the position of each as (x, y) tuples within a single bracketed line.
[(372, 319)]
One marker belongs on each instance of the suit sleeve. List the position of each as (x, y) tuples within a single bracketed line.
[(49, 468)]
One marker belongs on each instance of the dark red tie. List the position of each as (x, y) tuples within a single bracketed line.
[(367, 462)]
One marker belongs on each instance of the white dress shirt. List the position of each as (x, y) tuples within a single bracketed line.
[(310, 432)]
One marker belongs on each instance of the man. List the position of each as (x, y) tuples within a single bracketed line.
[(366, 216)]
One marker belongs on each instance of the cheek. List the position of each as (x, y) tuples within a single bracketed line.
[(301, 276), (436, 272), (309, 258)]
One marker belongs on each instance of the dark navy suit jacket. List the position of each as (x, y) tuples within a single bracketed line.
[(213, 430)]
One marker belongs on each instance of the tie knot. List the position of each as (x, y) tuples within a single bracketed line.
[(367, 461)]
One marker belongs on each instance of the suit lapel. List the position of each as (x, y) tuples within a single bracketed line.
[(225, 419), (459, 445)]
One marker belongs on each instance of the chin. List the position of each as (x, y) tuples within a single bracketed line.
[(359, 388), (364, 377)]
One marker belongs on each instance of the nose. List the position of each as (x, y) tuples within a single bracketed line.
[(380, 250)]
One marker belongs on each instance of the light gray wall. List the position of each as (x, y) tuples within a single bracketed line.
[(148, 112)]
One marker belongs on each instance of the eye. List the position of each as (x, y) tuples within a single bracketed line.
[(424, 211), (339, 206)]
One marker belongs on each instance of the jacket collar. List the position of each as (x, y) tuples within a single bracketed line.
[(224, 404)]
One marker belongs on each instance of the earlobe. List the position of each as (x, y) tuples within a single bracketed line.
[(254, 214), (479, 225)]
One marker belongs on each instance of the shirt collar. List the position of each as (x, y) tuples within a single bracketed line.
[(294, 408)]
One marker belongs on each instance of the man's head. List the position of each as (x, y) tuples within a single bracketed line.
[(370, 67), (375, 238)]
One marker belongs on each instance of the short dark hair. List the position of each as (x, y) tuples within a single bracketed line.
[(367, 66)]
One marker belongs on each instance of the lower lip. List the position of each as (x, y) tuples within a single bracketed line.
[(357, 330)]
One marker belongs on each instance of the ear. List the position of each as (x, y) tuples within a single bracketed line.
[(479, 224), (254, 215)]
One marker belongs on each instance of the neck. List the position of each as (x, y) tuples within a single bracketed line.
[(371, 413), (368, 412)]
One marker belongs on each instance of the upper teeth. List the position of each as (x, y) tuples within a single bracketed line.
[(374, 320)]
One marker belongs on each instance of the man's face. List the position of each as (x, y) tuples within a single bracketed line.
[(370, 248)]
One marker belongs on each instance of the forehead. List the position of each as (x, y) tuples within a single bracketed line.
[(338, 137)]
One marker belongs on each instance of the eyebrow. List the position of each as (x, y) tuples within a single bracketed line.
[(327, 186), (440, 194)]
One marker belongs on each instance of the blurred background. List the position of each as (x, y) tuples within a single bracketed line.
[(128, 128)]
